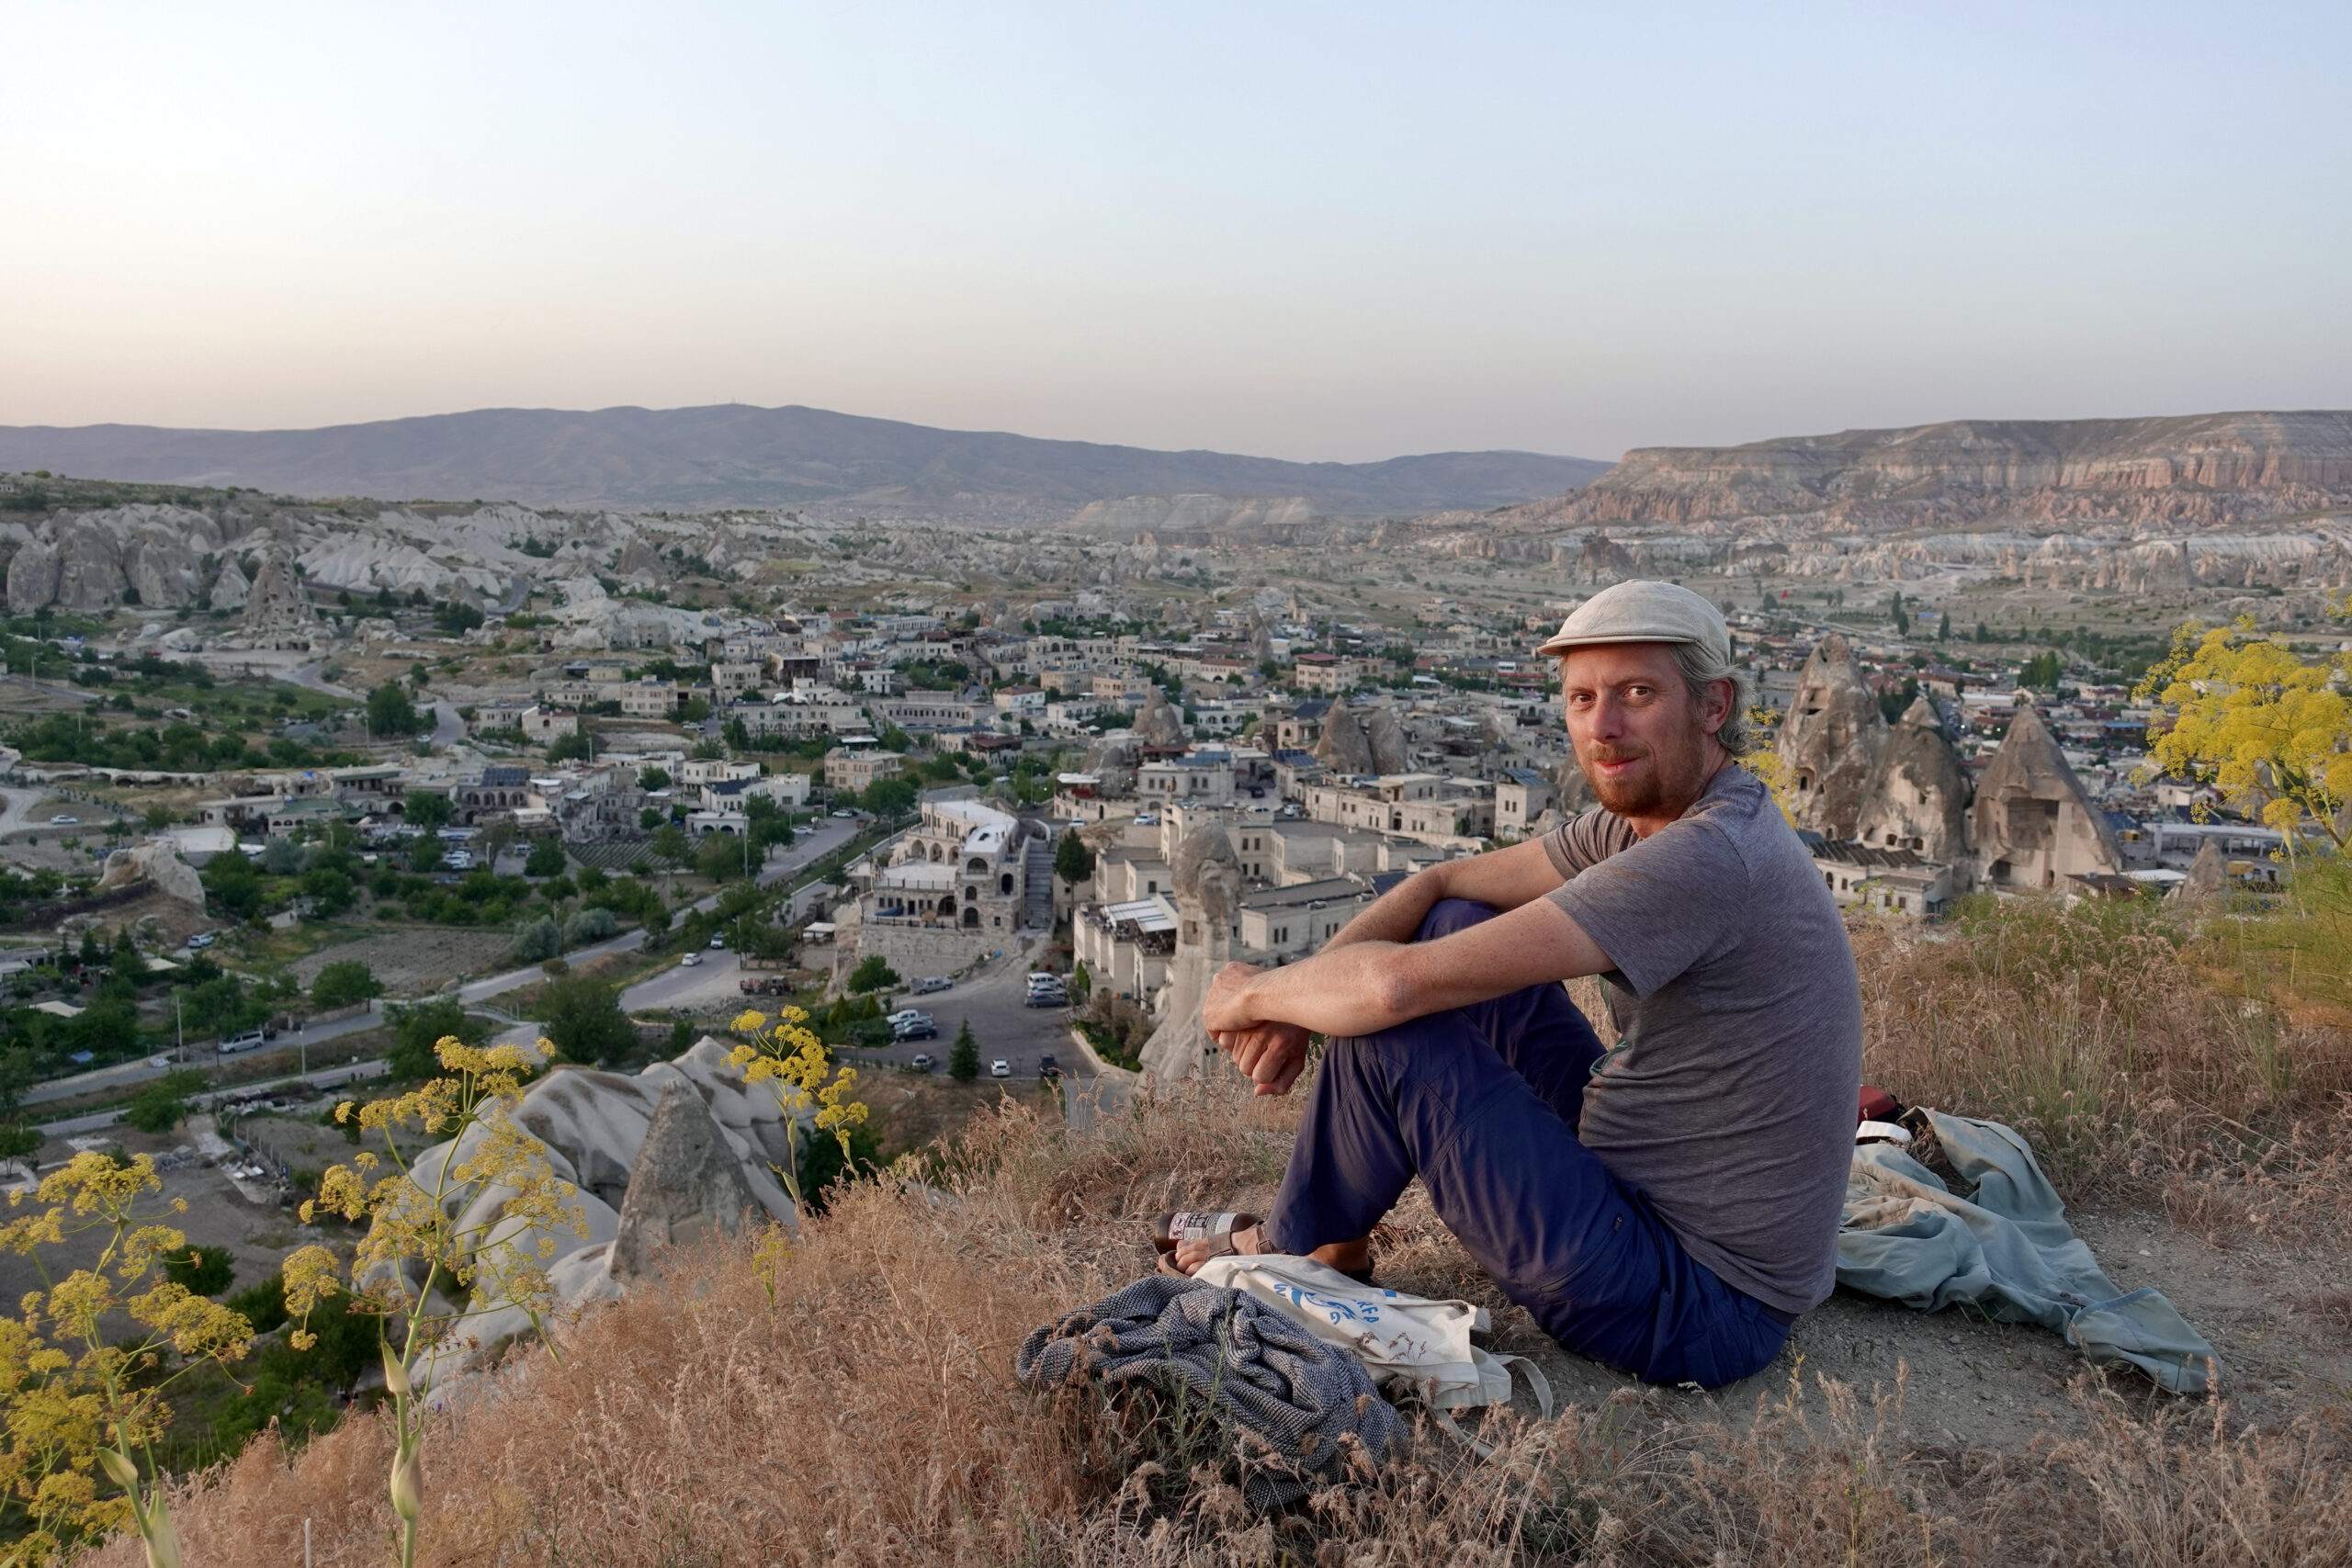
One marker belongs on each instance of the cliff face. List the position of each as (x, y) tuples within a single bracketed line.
[(2196, 469)]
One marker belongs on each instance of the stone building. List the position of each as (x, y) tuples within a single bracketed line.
[(1917, 795), (1831, 739), (2031, 826), (949, 890)]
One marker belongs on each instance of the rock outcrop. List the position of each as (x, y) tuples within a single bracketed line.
[(1386, 737), (1917, 795), (1157, 723), (1830, 740), (2032, 826), (158, 863), (2196, 469), (686, 1187), (2208, 876), (279, 613), (229, 589), (95, 561), (1343, 747), (1208, 902)]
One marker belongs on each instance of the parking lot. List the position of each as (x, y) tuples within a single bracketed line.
[(994, 1000)]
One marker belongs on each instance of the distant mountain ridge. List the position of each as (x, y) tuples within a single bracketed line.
[(2190, 468), (738, 456)]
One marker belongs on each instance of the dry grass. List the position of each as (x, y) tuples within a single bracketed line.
[(2100, 1031), (848, 1398)]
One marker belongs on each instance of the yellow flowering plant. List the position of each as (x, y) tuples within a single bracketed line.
[(80, 1396), (787, 1057), (440, 1246), (2269, 729)]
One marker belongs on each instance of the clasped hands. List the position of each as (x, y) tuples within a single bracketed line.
[(1272, 1052)]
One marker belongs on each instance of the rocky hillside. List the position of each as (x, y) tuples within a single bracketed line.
[(736, 455), (2193, 470)]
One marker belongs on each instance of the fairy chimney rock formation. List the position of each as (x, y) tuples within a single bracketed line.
[(278, 607), (1343, 747), (1830, 740), (1208, 901), (1917, 795), (686, 1187), (1157, 723), (2032, 826), (2206, 874), (1386, 739)]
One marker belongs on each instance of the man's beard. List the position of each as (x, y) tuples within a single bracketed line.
[(1665, 784)]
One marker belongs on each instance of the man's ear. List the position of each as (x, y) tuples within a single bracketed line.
[(1721, 694)]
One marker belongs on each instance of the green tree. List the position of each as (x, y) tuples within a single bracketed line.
[(428, 809), (390, 712), (417, 1028), (1073, 862), (671, 846), (546, 859), (232, 884), (964, 1056), (2041, 671), (578, 744), (161, 1105), (584, 1018), (16, 1140), (343, 982), (201, 1270), (722, 857), (873, 973)]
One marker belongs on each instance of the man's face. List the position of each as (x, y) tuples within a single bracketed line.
[(1640, 740)]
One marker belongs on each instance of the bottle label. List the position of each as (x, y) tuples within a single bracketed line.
[(1190, 1227)]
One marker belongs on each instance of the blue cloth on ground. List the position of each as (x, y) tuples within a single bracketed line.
[(2005, 1249)]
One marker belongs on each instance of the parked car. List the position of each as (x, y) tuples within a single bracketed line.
[(690, 960), (60, 820), (1000, 1068), (250, 1040), (1047, 996), (200, 941), (1047, 1067), (899, 1016), (718, 942), (915, 1029), (922, 1062), (929, 984)]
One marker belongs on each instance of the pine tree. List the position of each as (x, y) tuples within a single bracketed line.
[(964, 1056)]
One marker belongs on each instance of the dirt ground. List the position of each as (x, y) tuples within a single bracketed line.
[(411, 960), (2277, 1319), (257, 1237)]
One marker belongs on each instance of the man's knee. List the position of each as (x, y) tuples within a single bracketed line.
[(1450, 915)]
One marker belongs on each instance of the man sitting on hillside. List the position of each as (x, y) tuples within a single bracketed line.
[(1668, 1206)]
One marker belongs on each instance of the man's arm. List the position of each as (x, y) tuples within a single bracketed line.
[(1373, 984), (1503, 878)]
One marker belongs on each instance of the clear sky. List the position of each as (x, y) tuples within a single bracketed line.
[(1306, 231)]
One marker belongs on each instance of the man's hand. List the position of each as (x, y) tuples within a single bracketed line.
[(1272, 1052)]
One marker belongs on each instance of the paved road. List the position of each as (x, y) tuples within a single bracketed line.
[(447, 727), (199, 1054), (705, 985), (813, 845), (307, 677), (326, 1077)]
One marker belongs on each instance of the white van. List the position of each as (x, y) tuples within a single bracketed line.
[(250, 1040)]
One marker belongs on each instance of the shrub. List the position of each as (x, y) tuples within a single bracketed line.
[(546, 859), (200, 1270), (589, 925), (536, 941), (583, 1017), (873, 973)]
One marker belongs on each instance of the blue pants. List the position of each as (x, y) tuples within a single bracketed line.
[(1481, 1103)]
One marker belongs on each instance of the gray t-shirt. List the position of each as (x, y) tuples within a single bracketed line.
[(1730, 1100)]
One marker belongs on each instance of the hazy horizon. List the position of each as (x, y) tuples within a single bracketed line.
[(1326, 233)]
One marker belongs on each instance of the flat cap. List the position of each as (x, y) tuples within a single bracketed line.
[(1643, 612)]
